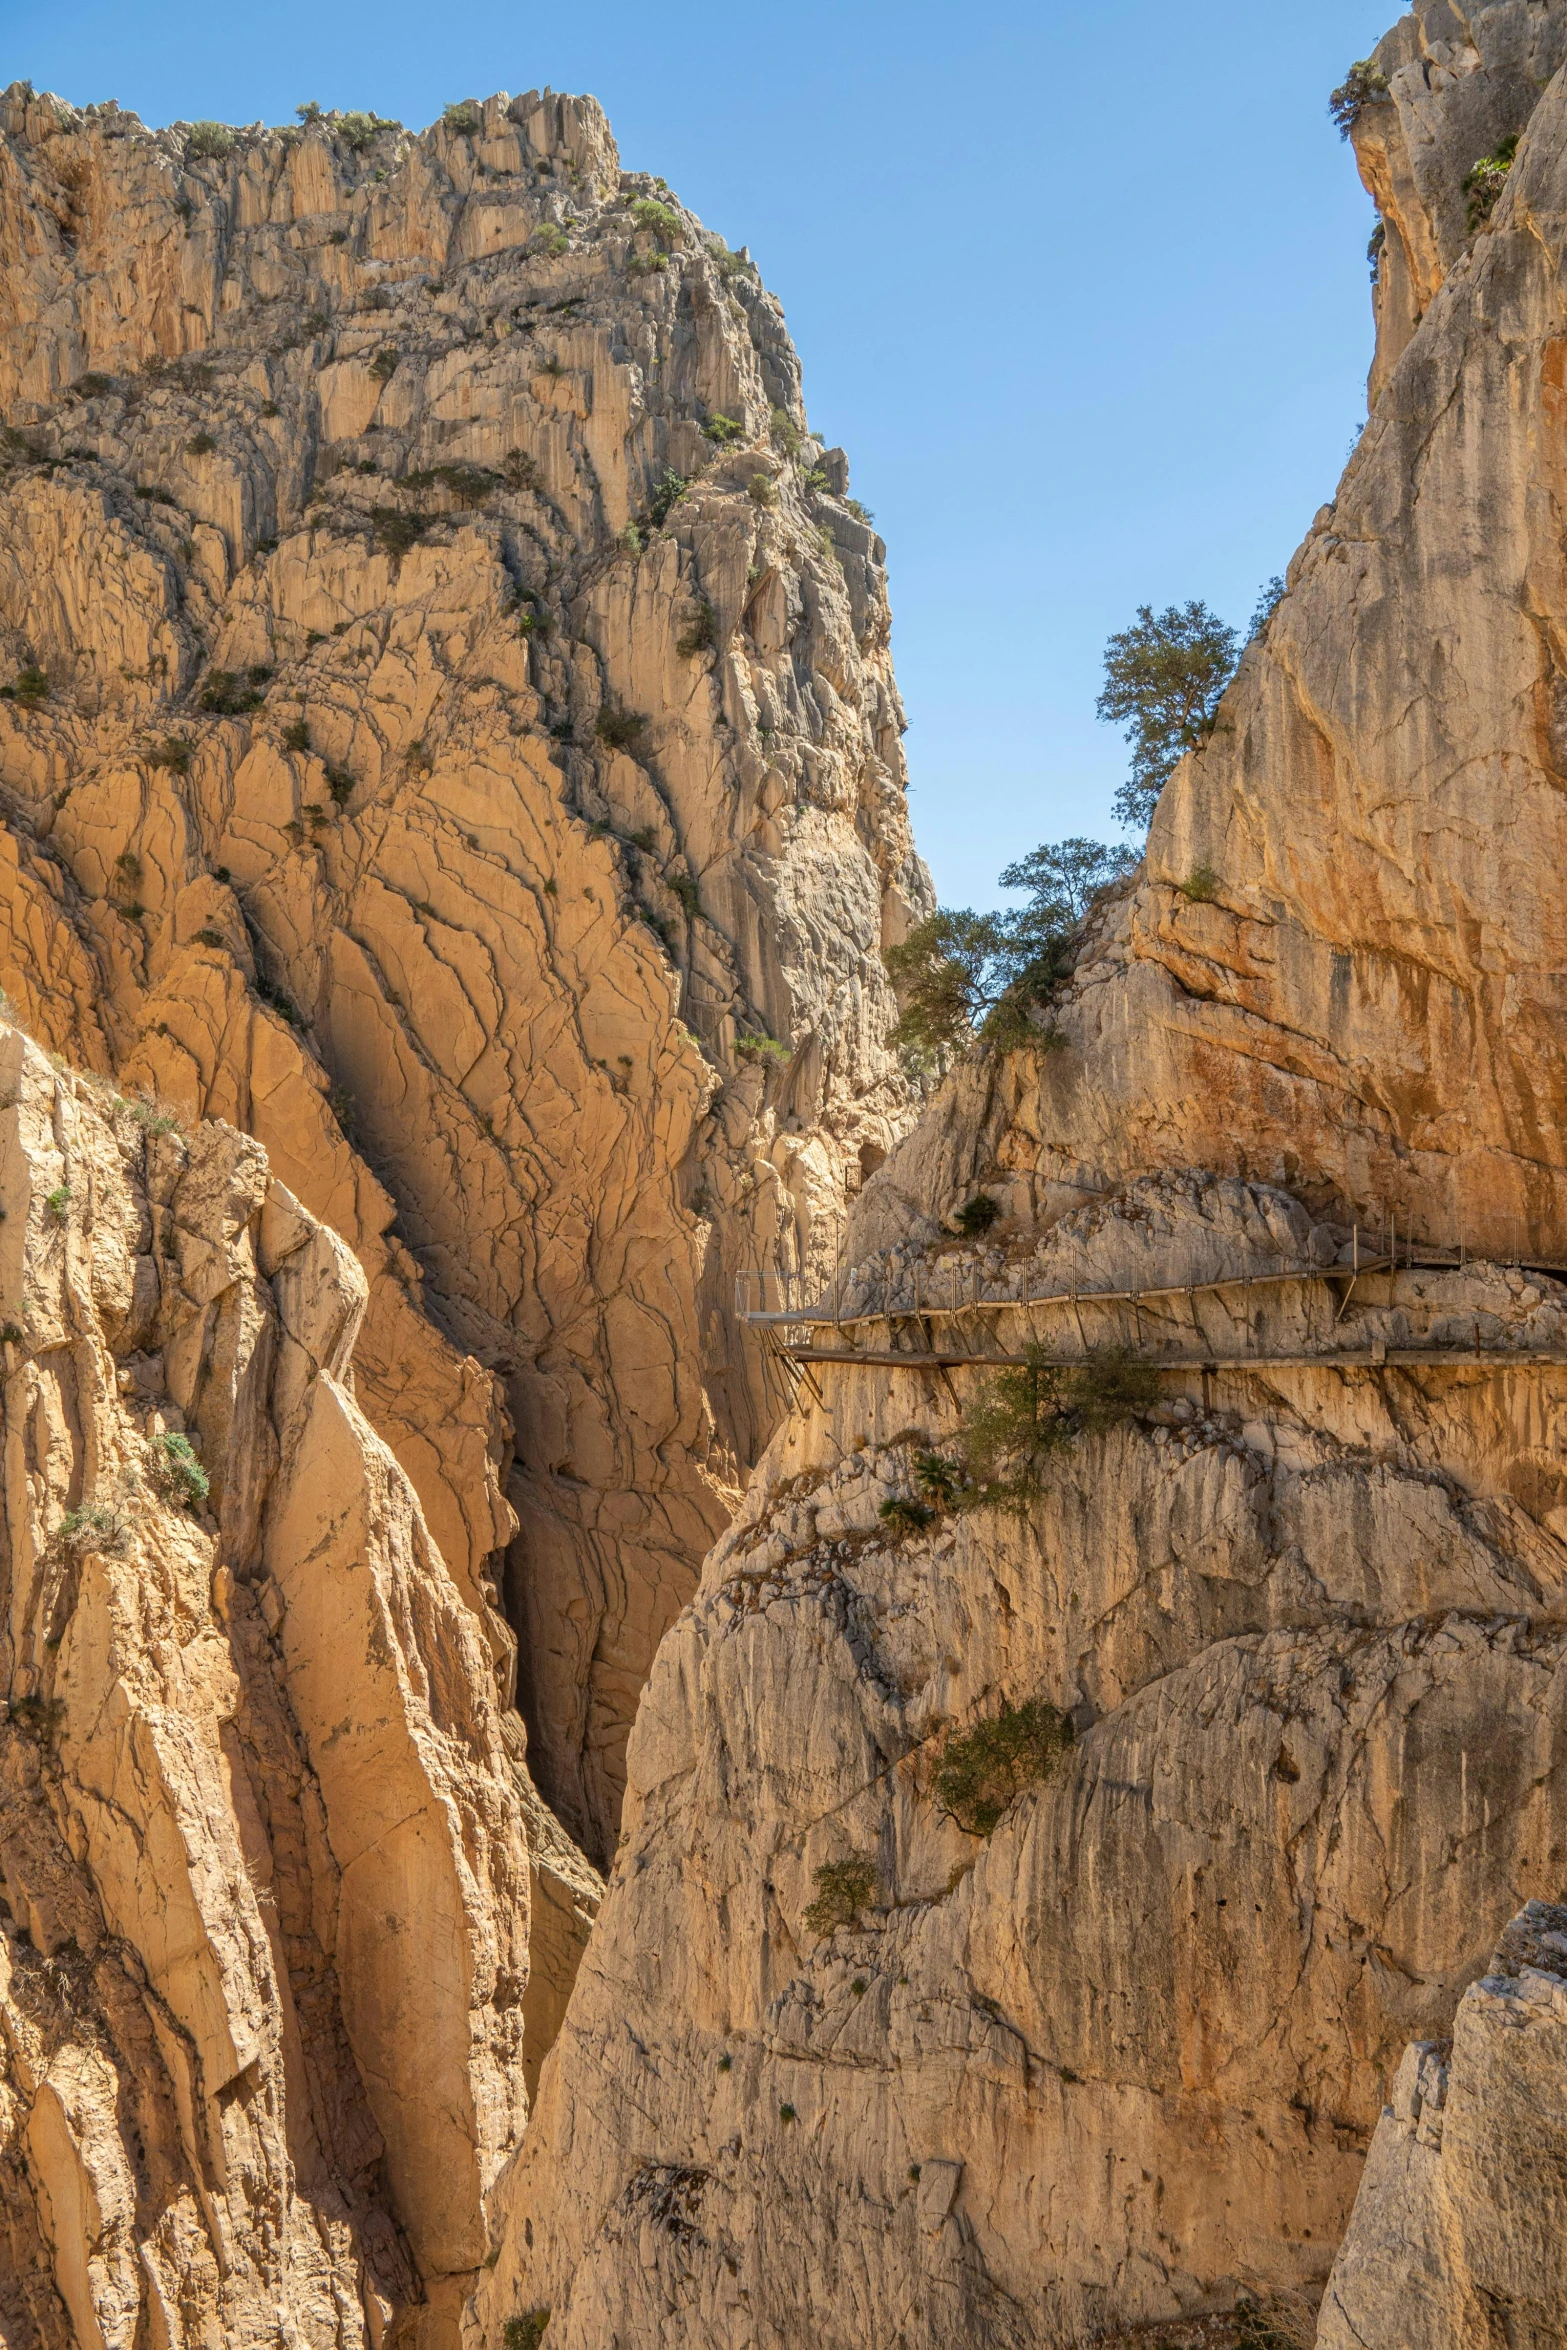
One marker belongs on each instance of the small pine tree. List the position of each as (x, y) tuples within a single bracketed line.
[(1164, 677)]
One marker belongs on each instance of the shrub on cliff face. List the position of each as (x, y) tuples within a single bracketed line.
[(1364, 85), (525, 2332), (176, 1472), (981, 1772), (1484, 184), (843, 1889), (1035, 1408), (463, 118), (208, 140)]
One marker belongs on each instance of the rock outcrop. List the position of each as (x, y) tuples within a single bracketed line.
[(451, 737), (1114, 2068), (1459, 2234), (264, 1851)]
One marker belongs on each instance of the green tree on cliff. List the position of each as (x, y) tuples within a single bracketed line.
[(1163, 680), (960, 974)]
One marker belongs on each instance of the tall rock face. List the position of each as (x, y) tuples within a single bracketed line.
[(1459, 2234), (451, 737), (264, 1850), (1112, 2070)]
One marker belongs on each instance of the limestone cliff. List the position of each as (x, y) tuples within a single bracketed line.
[(1113, 2070), (263, 1835), (451, 736)]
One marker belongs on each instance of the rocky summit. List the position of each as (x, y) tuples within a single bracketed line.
[(561, 1782)]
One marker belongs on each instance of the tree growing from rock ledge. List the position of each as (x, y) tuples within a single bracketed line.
[(1164, 678), (962, 975)]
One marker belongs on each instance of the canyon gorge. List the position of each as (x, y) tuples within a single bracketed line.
[(478, 1859)]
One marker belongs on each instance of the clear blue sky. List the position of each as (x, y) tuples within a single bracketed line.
[(1081, 289)]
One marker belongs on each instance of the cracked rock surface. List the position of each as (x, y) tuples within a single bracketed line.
[(265, 1841), (456, 743)]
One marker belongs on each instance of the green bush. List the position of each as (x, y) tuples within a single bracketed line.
[(206, 140), (702, 635), (1484, 184), (93, 1526), (176, 1471), (296, 736), (981, 1772), (37, 1718), (520, 471), (202, 445), (1201, 885), (905, 1515), (384, 365), (978, 1214), (1111, 1384), (843, 1889), (940, 1480), (464, 118), (525, 2332), (359, 131), (724, 429), (647, 264), (763, 490), (762, 1048), (786, 433), (470, 485), (1364, 85), (172, 753), (29, 685), (228, 695), (684, 889), (395, 532), (660, 219), (1035, 1408), (672, 487), (58, 1202), (619, 730)]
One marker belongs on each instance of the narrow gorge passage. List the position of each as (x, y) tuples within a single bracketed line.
[(714, 1631)]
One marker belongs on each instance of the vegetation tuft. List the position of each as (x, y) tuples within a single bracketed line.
[(702, 635), (176, 1472), (94, 1526), (977, 1215), (671, 488), (1484, 184), (619, 730), (981, 1772), (762, 1048), (206, 141), (843, 1889), (463, 118), (228, 694), (525, 2332), (905, 1515)]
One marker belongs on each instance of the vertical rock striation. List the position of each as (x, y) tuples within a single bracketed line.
[(263, 1845), (453, 739)]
